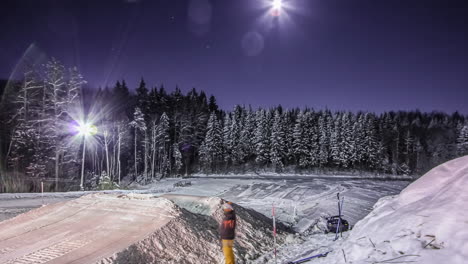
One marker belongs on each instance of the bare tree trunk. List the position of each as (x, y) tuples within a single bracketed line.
[(57, 157), (136, 166), (153, 150), (113, 162), (118, 154), (160, 163), (101, 163), (106, 146), (146, 157), (9, 149), (95, 162)]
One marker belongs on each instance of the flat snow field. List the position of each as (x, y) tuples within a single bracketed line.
[(299, 202)]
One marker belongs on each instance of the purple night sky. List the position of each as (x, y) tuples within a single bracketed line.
[(341, 54)]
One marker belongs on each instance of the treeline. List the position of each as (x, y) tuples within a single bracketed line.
[(322, 141), (151, 133)]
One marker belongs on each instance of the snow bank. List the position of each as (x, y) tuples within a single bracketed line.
[(426, 223)]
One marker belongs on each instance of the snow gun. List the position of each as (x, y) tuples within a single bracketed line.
[(336, 224)]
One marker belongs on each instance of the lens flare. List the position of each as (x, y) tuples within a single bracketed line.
[(278, 15), (277, 4), (85, 129)]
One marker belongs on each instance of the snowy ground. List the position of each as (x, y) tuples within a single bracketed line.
[(300, 202), (132, 228), (310, 198), (425, 223)]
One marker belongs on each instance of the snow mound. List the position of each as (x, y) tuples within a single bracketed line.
[(426, 223), (253, 231), (132, 228)]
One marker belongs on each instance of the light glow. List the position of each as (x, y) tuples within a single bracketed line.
[(278, 14), (277, 8), (277, 4), (86, 129)]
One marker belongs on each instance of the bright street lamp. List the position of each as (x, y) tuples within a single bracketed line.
[(85, 130), (277, 6)]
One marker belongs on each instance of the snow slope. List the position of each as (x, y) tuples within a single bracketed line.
[(427, 223), (81, 231)]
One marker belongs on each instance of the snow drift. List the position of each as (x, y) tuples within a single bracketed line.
[(131, 228), (426, 223)]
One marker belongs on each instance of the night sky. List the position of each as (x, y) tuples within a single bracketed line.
[(340, 54)]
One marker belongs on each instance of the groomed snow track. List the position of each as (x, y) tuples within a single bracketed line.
[(101, 228)]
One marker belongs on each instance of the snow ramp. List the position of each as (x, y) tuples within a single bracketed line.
[(111, 228)]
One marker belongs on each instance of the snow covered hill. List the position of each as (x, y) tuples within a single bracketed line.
[(427, 223)]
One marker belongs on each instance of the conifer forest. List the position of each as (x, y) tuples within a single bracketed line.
[(146, 132)]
